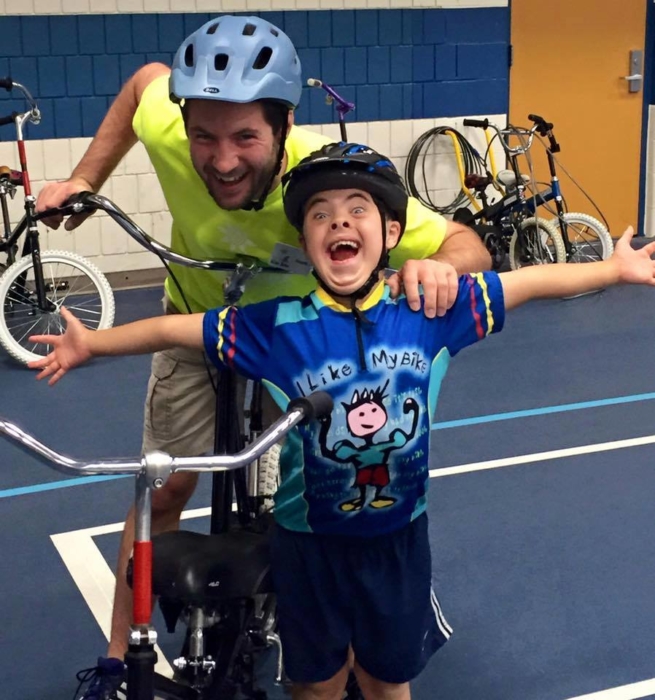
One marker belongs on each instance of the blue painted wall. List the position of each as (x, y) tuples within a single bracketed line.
[(394, 64)]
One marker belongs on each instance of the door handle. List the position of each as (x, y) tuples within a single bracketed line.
[(635, 79)]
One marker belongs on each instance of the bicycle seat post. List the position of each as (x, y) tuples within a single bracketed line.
[(141, 656)]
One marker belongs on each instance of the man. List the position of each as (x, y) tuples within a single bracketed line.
[(219, 131)]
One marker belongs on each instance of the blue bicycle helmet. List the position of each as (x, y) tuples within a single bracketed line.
[(343, 166), (237, 59)]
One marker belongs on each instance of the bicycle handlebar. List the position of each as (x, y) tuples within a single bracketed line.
[(479, 123), (159, 465), (504, 134), (89, 201), (19, 118), (545, 129), (9, 119)]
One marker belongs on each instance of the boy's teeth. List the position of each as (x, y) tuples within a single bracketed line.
[(349, 244)]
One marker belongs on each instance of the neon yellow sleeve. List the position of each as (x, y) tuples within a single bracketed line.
[(424, 234)]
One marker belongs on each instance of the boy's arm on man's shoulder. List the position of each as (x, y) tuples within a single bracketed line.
[(626, 266)]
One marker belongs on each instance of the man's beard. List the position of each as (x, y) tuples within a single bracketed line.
[(256, 190)]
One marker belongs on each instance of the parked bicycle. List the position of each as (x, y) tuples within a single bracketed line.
[(34, 284), (580, 237), (228, 571)]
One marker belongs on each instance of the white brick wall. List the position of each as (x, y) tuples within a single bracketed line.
[(81, 7), (135, 189)]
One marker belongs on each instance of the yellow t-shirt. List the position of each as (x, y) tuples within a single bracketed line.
[(204, 231)]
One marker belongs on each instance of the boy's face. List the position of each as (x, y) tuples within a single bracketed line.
[(342, 237)]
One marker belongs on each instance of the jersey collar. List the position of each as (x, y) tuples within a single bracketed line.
[(373, 298)]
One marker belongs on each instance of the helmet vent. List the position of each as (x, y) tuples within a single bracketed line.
[(275, 32), (213, 28), (220, 61), (188, 56), (263, 57), (249, 29)]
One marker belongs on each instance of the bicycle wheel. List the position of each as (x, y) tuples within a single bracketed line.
[(70, 280), (590, 240), (540, 243)]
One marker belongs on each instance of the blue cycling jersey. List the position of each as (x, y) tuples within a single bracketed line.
[(365, 470)]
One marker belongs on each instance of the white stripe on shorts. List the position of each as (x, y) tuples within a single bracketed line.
[(442, 623)]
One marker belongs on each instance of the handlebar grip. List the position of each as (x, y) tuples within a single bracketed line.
[(315, 406), (66, 208), (480, 123), (6, 83), (536, 118), (9, 119)]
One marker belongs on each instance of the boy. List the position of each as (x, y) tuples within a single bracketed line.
[(350, 555)]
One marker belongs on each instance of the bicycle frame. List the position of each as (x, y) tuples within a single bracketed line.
[(7, 188), (518, 200), (151, 471)]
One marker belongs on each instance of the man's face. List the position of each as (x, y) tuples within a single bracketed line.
[(343, 237), (233, 149)]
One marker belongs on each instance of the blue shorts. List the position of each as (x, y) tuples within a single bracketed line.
[(373, 593)]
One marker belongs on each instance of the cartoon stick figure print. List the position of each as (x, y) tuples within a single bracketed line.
[(366, 415)]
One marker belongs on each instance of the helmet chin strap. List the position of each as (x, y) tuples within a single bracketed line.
[(373, 278), (258, 204)]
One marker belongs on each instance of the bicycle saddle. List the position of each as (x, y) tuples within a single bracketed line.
[(195, 568)]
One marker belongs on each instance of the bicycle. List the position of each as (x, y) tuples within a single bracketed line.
[(227, 625), (581, 238), (252, 620), (35, 284)]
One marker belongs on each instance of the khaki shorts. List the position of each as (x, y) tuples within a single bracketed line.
[(180, 409)]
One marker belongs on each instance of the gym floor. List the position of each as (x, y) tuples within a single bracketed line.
[(541, 510)]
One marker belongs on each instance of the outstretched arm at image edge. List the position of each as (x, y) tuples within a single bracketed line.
[(626, 266), (79, 344)]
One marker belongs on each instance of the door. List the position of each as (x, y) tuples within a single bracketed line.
[(568, 65)]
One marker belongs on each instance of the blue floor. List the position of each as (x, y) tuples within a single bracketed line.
[(545, 569)]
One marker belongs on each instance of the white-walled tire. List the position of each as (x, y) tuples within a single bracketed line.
[(539, 244), (590, 240), (71, 281)]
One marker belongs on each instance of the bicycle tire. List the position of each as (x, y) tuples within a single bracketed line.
[(548, 248), (590, 240), (82, 287)]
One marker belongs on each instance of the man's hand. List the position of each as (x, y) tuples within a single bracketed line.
[(54, 194), (69, 350), (439, 281), (634, 266)]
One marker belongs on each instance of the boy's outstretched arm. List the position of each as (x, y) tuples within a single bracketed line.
[(79, 344), (626, 266)]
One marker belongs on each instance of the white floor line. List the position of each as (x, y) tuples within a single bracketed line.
[(633, 691), (543, 456), (96, 580)]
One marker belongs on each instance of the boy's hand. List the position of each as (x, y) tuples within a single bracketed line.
[(634, 266), (439, 280), (69, 349)]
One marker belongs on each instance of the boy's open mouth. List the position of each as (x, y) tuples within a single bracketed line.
[(341, 251)]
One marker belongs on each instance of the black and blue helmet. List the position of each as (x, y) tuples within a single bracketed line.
[(342, 166)]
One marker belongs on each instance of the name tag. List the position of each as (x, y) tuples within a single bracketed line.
[(291, 259)]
